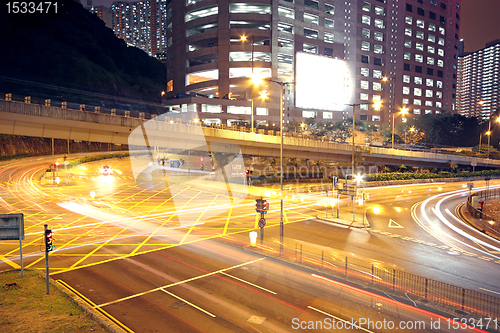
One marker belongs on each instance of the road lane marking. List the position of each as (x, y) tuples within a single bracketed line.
[(394, 224), (250, 283), (491, 291), (187, 302), (177, 283), (113, 319), (345, 321), (227, 220)]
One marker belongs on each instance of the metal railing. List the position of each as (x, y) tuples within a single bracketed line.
[(485, 221), (421, 289)]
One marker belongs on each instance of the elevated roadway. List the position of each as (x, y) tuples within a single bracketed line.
[(17, 118)]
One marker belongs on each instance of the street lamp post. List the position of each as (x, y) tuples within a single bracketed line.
[(353, 127)]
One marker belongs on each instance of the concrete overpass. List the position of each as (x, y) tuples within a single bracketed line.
[(17, 118)]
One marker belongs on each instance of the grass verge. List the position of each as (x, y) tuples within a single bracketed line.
[(26, 307)]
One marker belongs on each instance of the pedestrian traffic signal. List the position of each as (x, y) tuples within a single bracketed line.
[(48, 240), (265, 206), (259, 207)]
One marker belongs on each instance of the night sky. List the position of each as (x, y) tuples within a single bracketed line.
[(479, 21)]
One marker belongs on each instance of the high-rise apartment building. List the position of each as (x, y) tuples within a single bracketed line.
[(478, 91), (104, 14), (142, 24), (413, 43)]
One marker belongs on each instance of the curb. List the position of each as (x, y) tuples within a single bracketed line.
[(343, 222), (96, 315)]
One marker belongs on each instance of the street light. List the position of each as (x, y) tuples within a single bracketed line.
[(403, 111), (281, 159), (353, 127)]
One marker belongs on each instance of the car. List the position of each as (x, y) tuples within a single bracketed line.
[(106, 170)]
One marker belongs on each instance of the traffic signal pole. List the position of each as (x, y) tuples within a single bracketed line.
[(46, 257)]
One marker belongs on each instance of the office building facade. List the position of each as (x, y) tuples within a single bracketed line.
[(413, 43), (478, 91)]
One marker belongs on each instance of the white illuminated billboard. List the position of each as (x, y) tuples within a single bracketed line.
[(322, 83)]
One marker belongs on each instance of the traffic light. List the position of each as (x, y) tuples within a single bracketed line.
[(48, 240), (259, 205), (265, 206), (56, 165)]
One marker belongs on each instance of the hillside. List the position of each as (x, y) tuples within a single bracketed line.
[(75, 49)]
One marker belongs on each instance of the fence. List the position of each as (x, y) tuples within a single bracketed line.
[(486, 222), (468, 302)]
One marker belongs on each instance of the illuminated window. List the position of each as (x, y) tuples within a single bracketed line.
[(379, 10), (408, 32), (430, 61), (364, 85), (170, 85), (407, 56), (377, 86), (428, 111), (441, 52), (329, 23), (365, 46), (329, 9), (365, 19), (375, 118), (377, 74), (439, 84), (310, 18), (440, 63), (363, 107), (379, 24), (438, 104), (366, 6), (417, 91), (262, 111), (202, 28), (378, 49), (310, 48), (327, 115), (406, 101), (419, 58), (311, 4), (202, 76), (432, 27), (365, 33), (439, 95), (247, 72), (378, 36), (233, 109), (441, 30), (285, 43), (309, 33), (428, 103), (408, 20), (420, 24), (428, 93), (408, 43), (430, 49), (286, 12), (251, 8), (419, 46), (429, 82), (328, 37), (417, 80), (406, 90), (416, 111), (261, 25), (431, 38), (203, 12), (363, 97), (417, 102), (441, 41), (365, 71), (420, 35), (285, 58)]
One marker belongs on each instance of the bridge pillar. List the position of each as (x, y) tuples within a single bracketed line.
[(127, 113), (113, 112), (27, 99), (82, 107), (8, 97), (64, 105), (47, 102)]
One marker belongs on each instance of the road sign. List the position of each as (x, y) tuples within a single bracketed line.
[(470, 185), (262, 222), (11, 226)]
